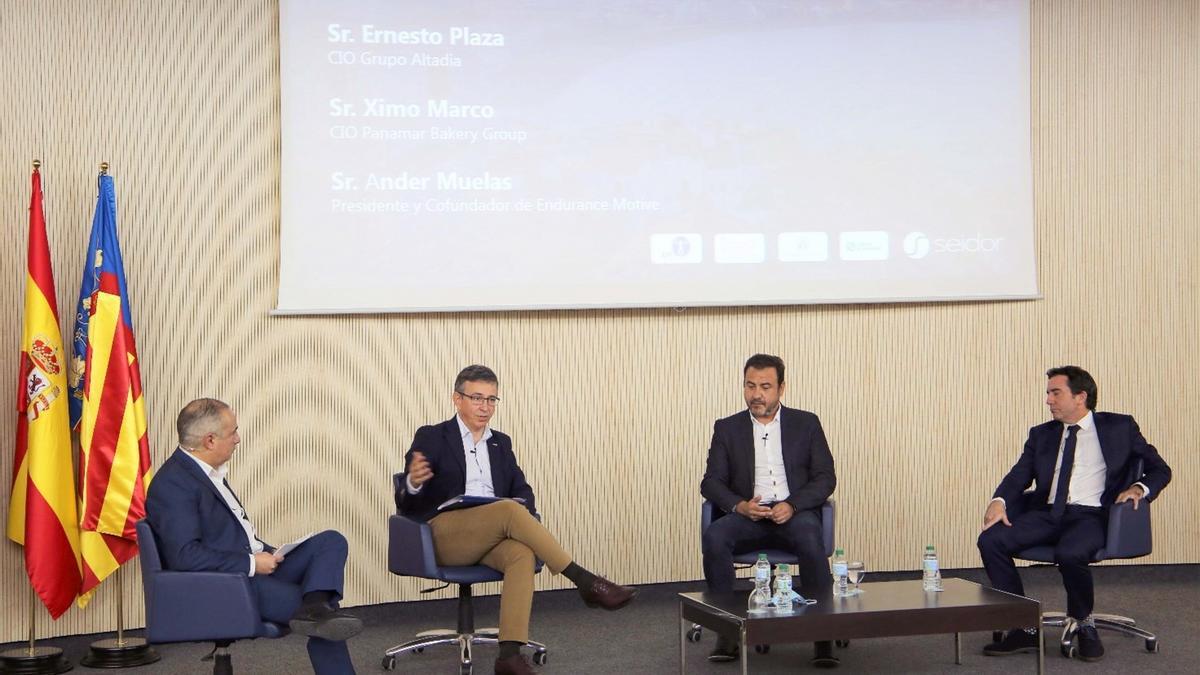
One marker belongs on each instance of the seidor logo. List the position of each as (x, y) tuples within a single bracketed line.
[(917, 245)]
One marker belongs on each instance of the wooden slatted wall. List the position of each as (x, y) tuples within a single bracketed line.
[(925, 405)]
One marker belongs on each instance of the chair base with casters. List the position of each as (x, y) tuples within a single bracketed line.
[(466, 635), (411, 553), (741, 560), (1111, 622)]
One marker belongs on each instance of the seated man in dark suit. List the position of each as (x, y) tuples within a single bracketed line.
[(201, 526), (1079, 464), (770, 469), (463, 455)]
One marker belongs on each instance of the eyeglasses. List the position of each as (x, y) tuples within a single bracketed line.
[(479, 400)]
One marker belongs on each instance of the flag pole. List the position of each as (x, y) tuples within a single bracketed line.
[(120, 609), (122, 652), (32, 593), (33, 659), (121, 542)]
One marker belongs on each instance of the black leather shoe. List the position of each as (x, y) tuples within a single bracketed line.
[(1088, 644), (513, 665), (823, 655), (724, 651), (1017, 641), (606, 594), (324, 622)]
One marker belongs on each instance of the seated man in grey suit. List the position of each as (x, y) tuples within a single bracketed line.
[(770, 469), (200, 525), (1079, 465)]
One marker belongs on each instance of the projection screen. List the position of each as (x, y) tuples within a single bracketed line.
[(458, 155)]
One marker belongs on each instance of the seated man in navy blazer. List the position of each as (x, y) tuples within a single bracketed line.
[(770, 469), (463, 455), (1079, 464), (200, 525)]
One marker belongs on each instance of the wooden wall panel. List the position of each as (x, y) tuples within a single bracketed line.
[(925, 405)]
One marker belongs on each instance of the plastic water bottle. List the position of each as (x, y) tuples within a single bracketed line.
[(841, 574), (931, 579), (760, 597), (783, 588)]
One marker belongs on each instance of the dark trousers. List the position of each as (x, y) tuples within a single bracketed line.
[(800, 535), (316, 565), (1076, 537)]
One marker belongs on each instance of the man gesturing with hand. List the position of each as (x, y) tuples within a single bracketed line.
[(770, 469), (465, 456)]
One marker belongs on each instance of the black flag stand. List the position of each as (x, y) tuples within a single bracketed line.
[(123, 652), (33, 660)]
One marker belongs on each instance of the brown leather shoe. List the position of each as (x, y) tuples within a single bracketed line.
[(514, 665), (608, 595)]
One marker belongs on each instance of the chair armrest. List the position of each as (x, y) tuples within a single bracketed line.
[(194, 606), (399, 485), (707, 513), (828, 525), (410, 548), (1129, 534)]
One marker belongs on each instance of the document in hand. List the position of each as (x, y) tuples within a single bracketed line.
[(467, 501), (287, 548)]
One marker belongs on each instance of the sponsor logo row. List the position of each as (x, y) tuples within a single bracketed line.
[(800, 247)]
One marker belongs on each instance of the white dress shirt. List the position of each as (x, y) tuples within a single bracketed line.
[(478, 462), (217, 476), (1089, 470), (1087, 477), (770, 475)]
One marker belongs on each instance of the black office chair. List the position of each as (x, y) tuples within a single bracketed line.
[(743, 559), (1129, 536), (217, 607), (411, 553)]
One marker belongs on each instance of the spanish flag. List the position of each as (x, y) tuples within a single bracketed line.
[(107, 406), (42, 511)]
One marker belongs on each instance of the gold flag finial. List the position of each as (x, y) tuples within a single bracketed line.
[(103, 168), (37, 164)]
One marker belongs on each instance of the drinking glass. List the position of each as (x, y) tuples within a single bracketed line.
[(857, 570)]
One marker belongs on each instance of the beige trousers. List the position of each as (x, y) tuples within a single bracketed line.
[(504, 536)]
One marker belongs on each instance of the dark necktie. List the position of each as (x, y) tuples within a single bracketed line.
[(1064, 473)]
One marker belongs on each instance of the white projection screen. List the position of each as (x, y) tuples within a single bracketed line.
[(491, 155)]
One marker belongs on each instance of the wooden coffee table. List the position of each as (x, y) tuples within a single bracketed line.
[(883, 609)]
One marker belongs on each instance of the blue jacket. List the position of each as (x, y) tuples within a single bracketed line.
[(195, 528), (443, 448), (1121, 443)]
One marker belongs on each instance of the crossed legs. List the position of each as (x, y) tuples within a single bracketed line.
[(507, 538)]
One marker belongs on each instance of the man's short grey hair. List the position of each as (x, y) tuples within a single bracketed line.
[(199, 419)]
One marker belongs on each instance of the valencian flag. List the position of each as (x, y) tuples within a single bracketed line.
[(42, 512), (107, 406)]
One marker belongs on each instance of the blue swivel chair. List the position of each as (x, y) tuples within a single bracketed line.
[(710, 512), (216, 607), (411, 553), (1129, 536)]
